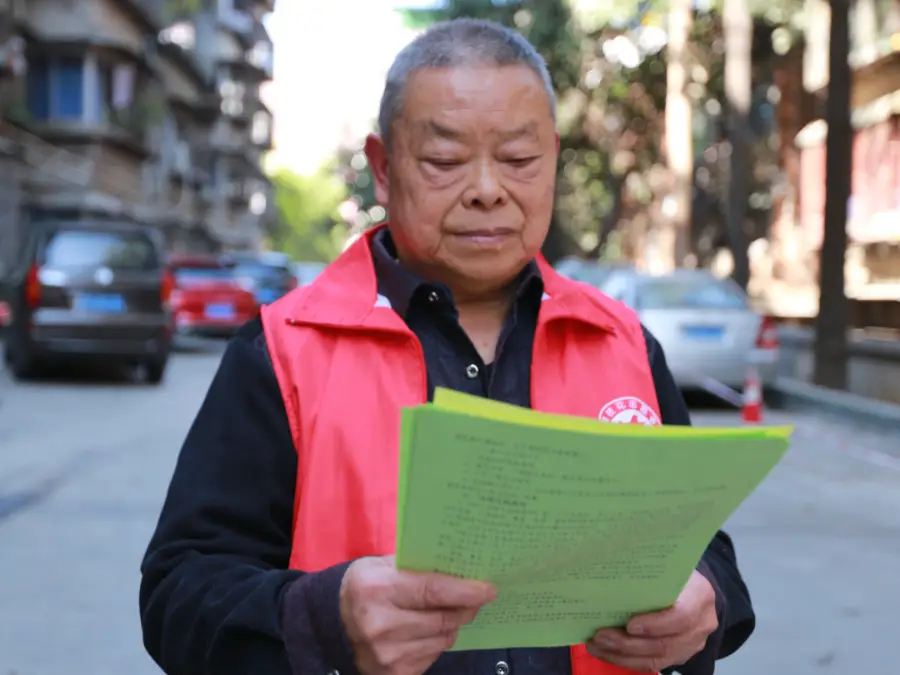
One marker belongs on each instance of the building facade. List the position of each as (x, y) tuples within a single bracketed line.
[(873, 214), (234, 50), (101, 116)]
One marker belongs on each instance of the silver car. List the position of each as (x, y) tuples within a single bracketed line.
[(710, 332)]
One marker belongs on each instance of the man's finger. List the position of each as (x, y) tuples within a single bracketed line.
[(667, 623), (416, 625), (431, 591), (412, 655)]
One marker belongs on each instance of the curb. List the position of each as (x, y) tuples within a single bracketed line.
[(793, 393)]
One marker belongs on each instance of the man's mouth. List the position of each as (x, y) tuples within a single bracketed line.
[(485, 236)]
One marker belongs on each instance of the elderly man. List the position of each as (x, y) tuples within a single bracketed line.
[(273, 550)]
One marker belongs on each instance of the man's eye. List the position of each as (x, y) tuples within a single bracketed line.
[(443, 163), (521, 161)]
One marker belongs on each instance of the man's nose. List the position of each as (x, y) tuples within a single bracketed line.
[(486, 191)]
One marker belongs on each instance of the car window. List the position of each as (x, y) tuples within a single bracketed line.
[(187, 275), (117, 250), (689, 293), (307, 273)]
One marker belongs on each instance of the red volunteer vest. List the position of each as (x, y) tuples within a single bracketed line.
[(346, 364)]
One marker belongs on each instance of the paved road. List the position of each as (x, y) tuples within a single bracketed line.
[(84, 465)]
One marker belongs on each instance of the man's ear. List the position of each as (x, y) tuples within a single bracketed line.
[(376, 154)]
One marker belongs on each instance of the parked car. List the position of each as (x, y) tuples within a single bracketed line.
[(207, 299), (705, 324), (267, 275), (306, 272), (568, 266), (90, 290), (594, 273)]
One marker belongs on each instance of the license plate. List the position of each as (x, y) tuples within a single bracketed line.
[(100, 303), (220, 312), (704, 333)]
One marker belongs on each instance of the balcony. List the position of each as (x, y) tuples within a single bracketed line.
[(182, 203), (128, 27), (261, 57), (236, 18), (225, 138)]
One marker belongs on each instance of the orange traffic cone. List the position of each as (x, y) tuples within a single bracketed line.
[(751, 411)]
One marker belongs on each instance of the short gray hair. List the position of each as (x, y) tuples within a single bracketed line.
[(456, 43)]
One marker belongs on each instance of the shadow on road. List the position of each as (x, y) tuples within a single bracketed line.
[(195, 345), (100, 374)]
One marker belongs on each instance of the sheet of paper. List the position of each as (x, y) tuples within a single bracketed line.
[(578, 529), (454, 401)]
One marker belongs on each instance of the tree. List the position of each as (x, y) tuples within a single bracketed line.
[(679, 130), (738, 24), (742, 20), (831, 323), (362, 208), (309, 226)]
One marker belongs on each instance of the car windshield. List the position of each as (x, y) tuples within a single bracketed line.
[(262, 272), (193, 275), (117, 250), (689, 293)]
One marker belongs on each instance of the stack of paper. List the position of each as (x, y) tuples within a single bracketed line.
[(580, 524)]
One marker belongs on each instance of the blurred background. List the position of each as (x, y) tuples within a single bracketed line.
[(729, 168)]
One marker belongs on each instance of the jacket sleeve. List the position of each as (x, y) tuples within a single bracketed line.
[(215, 577), (737, 619)]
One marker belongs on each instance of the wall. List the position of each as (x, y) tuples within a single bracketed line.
[(178, 85), (874, 209), (874, 369), (119, 174)]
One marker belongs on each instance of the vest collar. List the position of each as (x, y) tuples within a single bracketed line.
[(345, 295)]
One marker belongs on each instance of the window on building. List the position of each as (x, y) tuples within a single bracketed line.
[(115, 90), (262, 126), (56, 88)]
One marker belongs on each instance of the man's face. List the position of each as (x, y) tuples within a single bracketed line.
[(470, 176)]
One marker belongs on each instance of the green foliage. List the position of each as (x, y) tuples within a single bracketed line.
[(355, 172), (175, 9), (15, 109), (308, 226)]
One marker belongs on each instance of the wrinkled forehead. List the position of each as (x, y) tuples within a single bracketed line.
[(502, 131), (463, 102)]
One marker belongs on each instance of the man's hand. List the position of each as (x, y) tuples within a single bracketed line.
[(399, 623), (652, 642)]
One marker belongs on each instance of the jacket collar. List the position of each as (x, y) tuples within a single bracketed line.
[(346, 295)]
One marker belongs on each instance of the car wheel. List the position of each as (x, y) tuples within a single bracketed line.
[(21, 363), (155, 370)]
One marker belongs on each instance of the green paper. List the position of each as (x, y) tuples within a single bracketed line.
[(580, 524)]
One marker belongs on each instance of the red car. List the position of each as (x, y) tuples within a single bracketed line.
[(208, 299)]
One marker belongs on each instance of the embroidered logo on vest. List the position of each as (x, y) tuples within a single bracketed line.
[(629, 410)]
